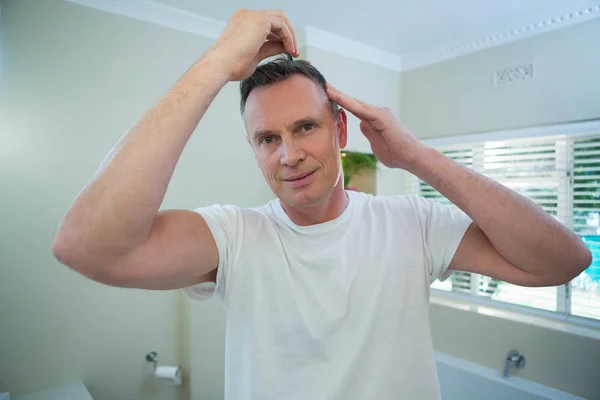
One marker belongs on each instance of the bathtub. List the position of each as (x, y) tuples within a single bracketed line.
[(464, 380)]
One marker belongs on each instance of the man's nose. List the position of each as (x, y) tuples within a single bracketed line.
[(291, 153)]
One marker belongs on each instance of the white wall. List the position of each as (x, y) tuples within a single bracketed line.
[(457, 97), (74, 80)]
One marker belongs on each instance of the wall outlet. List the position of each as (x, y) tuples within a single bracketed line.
[(520, 73)]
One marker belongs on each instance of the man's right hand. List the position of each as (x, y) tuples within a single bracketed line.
[(251, 36)]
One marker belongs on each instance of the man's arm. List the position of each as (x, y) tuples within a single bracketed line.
[(116, 210), (113, 231), (511, 238)]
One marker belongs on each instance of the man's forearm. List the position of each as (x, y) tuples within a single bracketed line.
[(522, 232), (116, 209)]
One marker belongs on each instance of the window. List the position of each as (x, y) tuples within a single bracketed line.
[(560, 173)]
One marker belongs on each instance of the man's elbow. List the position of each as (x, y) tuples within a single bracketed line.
[(84, 263), (576, 265), (586, 259), (61, 251)]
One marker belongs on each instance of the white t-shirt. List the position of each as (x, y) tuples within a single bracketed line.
[(337, 310)]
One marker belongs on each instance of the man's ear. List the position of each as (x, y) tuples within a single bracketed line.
[(342, 128)]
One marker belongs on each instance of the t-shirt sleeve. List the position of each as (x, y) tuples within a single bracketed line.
[(442, 229), (226, 226)]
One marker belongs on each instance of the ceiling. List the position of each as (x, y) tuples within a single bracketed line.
[(401, 27)]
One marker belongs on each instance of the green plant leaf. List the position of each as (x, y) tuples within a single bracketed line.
[(353, 162)]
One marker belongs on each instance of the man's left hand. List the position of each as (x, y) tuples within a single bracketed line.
[(392, 144)]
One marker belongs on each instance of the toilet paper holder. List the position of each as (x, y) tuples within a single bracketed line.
[(152, 357), (167, 374)]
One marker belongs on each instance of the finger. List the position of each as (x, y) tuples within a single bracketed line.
[(367, 130), (361, 110), (273, 36), (291, 27), (270, 48), (280, 14), (280, 28)]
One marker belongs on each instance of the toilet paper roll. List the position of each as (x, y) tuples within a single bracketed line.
[(168, 374)]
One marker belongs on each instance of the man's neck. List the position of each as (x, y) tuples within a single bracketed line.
[(327, 210)]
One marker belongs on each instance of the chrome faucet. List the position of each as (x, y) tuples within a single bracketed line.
[(514, 359)]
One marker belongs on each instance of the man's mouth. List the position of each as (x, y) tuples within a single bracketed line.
[(297, 177)]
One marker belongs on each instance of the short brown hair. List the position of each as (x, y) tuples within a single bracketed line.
[(279, 69)]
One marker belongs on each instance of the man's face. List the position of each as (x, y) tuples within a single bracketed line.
[(296, 139)]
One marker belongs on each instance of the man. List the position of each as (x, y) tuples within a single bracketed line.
[(326, 291)]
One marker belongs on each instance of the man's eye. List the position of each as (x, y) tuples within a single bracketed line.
[(308, 127), (267, 140)]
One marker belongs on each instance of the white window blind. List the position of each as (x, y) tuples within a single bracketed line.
[(585, 181), (561, 174)]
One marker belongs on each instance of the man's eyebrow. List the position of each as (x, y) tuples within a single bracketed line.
[(258, 134), (294, 125), (304, 121)]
